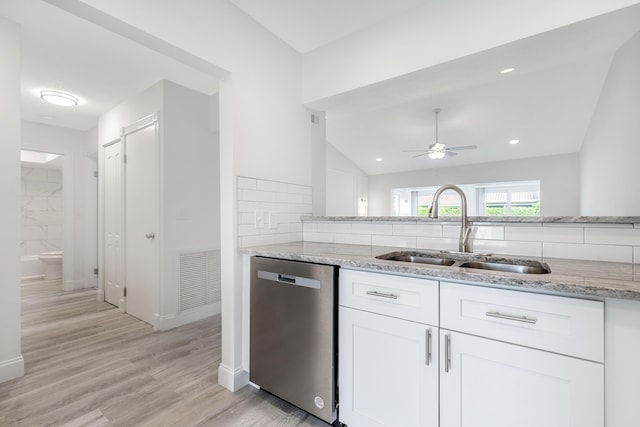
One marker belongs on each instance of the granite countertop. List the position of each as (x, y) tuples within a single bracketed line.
[(634, 220), (586, 278)]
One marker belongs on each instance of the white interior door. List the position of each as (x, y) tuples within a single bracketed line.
[(141, 219), (113, 278)]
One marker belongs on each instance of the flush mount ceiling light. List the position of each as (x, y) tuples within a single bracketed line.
[(514, 141), (378, 159), (59, 98), (507, 70)]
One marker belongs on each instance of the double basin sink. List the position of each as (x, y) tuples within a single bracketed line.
[(470, 260)]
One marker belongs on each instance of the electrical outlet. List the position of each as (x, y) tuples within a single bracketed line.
[(258, 218), (273, 219)]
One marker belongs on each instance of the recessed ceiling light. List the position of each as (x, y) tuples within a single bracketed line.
[(378, 159), (514, 141), (60, 98), (507, 70)]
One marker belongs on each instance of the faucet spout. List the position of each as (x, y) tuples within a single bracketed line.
[(465, 230)]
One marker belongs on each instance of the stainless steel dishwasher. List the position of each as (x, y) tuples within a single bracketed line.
[(293, 333)]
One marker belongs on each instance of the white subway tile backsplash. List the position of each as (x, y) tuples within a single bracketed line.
[(613, 236), (290, 198), (424, 230), (247, 183), (588, 252), (545, 234), (245, 218), (370, 228), (353, 239), (273, 186), (334, 227), (310, 236), (437, 243), (259, 240), (299, 189), (295, 227), (395, 241), (477, 232), (288, 237), (257, 196), (309, 226), (505, 247), (248, 207)]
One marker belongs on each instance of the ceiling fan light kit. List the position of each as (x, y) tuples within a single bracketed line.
[(437, 150)]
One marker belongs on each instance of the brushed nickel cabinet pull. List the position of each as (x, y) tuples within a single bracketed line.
[(382, 294), (447, 352), (499, 315), (428, 349)]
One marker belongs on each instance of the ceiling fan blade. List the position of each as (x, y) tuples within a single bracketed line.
[(420, 155), (415, 151), (463, 147), (450, 153)]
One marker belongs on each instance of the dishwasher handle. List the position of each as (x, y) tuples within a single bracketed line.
[(289, 279)]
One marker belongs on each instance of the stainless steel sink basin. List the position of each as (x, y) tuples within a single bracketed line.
[(469, 260), (421, 259), (539, 268)]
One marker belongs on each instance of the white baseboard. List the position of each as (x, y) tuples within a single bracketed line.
[(174, 320), (100, 294), (34, 277), (231, 379), (11, 369)]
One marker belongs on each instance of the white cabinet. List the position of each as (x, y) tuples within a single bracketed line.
[(388, 366), (488, 383), (500, 361), (499, 358)]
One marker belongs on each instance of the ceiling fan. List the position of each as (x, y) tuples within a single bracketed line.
[(438, 150)]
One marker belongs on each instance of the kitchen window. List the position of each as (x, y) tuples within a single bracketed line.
[(519, 198)]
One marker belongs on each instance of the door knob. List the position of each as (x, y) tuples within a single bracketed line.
[(150, 235)]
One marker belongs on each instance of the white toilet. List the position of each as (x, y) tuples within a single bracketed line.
[(53, 264)]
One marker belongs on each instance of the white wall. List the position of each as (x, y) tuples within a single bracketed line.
[(77, 147), (191, 184), (11, 362), (610, 155), (346, 185), (318, 130), (559, 181), (434, 33)]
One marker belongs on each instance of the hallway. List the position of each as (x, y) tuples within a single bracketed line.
[(87, 364)]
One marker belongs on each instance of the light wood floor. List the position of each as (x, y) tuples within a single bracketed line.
[(87, 364)]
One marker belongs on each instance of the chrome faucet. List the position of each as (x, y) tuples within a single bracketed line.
[(465, 230)]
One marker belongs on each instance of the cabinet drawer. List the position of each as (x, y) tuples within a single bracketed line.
[(563, 325), (402, 297)]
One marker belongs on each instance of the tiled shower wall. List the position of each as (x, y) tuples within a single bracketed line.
[(269, 211), (593, 242), (41, 210)]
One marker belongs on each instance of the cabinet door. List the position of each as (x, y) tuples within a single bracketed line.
[(385, 375), (486, 383)]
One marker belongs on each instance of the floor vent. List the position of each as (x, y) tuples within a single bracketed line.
[(199, 278)]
